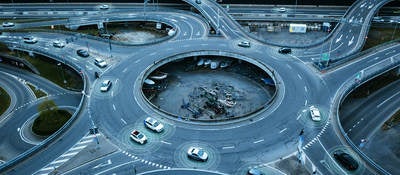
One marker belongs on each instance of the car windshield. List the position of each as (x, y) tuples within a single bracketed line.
[(140, 136), (156, 124), (105, 83), (200, 153)]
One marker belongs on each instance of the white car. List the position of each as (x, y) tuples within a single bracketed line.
[(8, 24), (58, 43), (104, 7), (30, 40), (105, 86), (244, 44), (197, 153), (282, 9), (315, 114), (153, 124), (138, 137), (100, 62)]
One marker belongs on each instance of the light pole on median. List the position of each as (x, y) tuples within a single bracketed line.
[(93, 130)]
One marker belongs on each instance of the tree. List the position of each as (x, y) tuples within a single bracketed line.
[(50, 118), (47, 106)]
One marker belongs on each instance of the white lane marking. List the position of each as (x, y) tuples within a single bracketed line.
[(112, 93), (298, 75), (258, 141), (78, 147), (59, 161), (153, 53), (290, 67), (114, 107), (228, 147), (109, 162), (168, 143), (125, 70), (18, 129), (298, 117), (137, 61), (116, 81), (70, 154), (337, 40), (380, 104), (123, 121), (114, 168), (373, 59), (305, 88), (84, 142), (351, 41), (282, 130), (305, 103)]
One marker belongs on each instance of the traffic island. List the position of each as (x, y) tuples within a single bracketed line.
[(50, 119), (211, 88), (4, 101)]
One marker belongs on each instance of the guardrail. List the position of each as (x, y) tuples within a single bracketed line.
[(351, 84), (336, 63), (98, 38), (210, 52), (57, 134)]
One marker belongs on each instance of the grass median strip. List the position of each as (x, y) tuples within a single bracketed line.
[(5, 100), (38, 93)]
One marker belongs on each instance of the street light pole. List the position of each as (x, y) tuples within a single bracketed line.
[(93, 129)]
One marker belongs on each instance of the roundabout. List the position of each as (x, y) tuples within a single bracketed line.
[(210, 84)]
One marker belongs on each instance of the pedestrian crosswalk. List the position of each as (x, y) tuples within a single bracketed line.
[(52, 167)]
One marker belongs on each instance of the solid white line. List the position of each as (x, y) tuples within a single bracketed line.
[(113, 168), (59, 161), (282, 130), (380, 104), (305, 88), (228, 147), (114, 107), (84, 142), (70, 154), (258, 141), (76, 148), (45, 169), (162, 141)]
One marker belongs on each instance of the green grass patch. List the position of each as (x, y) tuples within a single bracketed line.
[(49, 122), (5, 101), (38, 93), (381, 33), (393, 121), (54, 71)]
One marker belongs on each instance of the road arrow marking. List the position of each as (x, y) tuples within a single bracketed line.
[(103, 164)]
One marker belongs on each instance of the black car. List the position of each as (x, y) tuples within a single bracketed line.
[(345, 160), (82, 53), (285, 50)]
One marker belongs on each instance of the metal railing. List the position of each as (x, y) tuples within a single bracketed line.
[(351, 84), (58, 133)]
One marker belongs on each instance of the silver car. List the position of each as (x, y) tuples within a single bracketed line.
[(197, 153), (153, 124), (105, 86)]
